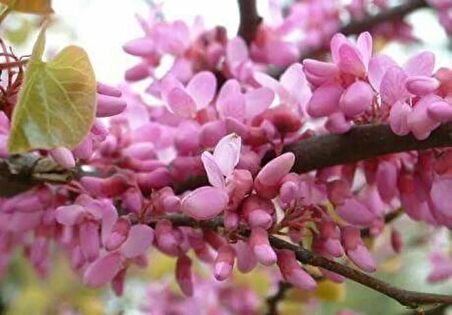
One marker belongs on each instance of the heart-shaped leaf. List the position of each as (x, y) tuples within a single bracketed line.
[(29, 6), (57, 101)]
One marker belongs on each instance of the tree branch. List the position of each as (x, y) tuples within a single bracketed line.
[(360, 143), (407, 298), (249, 20), (395, 13), (19, 173), (273, 300)]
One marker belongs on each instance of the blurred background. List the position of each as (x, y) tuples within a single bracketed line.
[(102, 27)]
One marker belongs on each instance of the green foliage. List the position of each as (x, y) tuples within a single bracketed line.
[(29, 6), (56, 105)]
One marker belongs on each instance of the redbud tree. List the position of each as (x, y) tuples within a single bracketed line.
[(291, 147)]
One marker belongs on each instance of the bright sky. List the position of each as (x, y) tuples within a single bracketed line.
[(102, 26)]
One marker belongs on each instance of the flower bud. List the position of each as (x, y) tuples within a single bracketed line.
[(292, 271), (184, 276), (224, 262), (63, 157), (421, 85), (269, 178), (205, 203), (261, 246)]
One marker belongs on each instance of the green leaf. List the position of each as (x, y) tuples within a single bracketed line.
[(56, 104), (19, 34), (29, 6)]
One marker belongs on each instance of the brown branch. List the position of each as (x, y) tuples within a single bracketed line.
[(407, 298), (439, 310), (249, 20), (359, 26), (21, 172), (360, 143), (393, 14), (273, 300)]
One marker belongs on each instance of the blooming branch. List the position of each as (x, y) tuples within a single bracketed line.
[(407, 298), (361, 143)]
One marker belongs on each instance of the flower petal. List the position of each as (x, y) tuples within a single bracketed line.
[(214, 174), (138, 241), (227, 153), (236, 51), (103, 270), (205, 203), (441, 194), (69, 215), (325, 100), (351, 60), (392, 87), (378, 66), (257, 101), (181, 103), (231, 101), (421, 64), (202, 88), (356, 99)]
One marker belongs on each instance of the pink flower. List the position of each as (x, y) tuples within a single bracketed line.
[(87, 215), (63, 156), (352, 58), (109, 101), (441, 266), (205, 203), (293, 272), (237, 59), (356, 99), (292, 88), (224, 262), (232, 103), (261, 247), (107, 267), (184, 275), (356, 250), (186, 101), (269, 179), (224, 159), (441, 194)]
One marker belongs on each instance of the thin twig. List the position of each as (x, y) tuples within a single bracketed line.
[(407, 298), (359, 26), (249, 20), (273, 300), (13, 64), (4, 14)]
